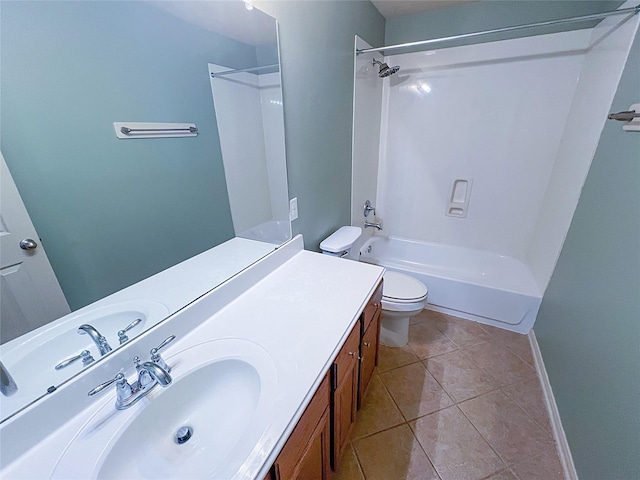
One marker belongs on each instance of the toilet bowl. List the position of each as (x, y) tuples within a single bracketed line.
[(402, 295)]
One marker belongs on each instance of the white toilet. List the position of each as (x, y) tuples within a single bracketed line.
[(402, 295)]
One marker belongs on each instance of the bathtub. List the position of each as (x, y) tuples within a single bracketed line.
[(477, 285)]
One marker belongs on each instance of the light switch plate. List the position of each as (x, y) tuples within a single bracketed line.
[(293, 208)]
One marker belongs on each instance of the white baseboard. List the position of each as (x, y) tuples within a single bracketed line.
[(564, 452)]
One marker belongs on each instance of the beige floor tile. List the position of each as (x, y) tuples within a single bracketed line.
[(349, 467), (459, 376), (425, 315), (545, 465), (517, 343), (415, 391), (455, 448), (504, 367), (461, 332), (530, 397), (393, 357), (394, 454), (507, 428), (425, 340), (504, 475), (419, 318), (378, 412)]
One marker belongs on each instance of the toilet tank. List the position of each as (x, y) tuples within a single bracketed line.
[(340, 242)]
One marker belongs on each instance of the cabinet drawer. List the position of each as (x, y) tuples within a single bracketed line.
[(348, 354), (372, 307), (301, 436)]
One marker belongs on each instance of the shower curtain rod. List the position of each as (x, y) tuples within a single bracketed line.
[(239, 70), (584, 18)]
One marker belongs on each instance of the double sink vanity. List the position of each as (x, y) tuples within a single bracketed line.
[(262, 380)]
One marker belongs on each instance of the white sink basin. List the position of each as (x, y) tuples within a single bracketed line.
[(223, 390), (31, 359)]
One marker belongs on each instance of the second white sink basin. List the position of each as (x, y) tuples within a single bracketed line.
[(32, 358), (222, 393)]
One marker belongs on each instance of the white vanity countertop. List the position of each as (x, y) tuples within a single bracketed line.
[(152, 299), (299, 309)]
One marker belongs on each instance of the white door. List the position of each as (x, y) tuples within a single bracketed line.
[(30, 294)]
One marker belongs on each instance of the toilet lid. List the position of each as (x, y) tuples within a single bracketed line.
[(401, 287)]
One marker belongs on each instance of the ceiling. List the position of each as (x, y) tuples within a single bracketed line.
[(395, 8), (229, 18)]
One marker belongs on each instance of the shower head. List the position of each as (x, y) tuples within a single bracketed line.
[(385, 70)]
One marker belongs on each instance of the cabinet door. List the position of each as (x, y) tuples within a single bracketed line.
[(345, 394), (306, 455), (314, 463), (368, 355)]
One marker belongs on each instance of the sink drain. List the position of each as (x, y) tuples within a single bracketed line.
[(183, 435)]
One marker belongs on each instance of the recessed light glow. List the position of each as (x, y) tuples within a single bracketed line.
[(248, 5)]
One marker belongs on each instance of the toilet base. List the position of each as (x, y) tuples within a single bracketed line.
[(394, 332)]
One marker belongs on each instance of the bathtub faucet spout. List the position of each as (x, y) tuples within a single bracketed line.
[(377, 225)]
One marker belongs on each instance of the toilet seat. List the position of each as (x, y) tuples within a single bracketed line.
[(402, 293), (401, 288)]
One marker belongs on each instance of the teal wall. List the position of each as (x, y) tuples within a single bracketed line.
[(111, 212), (316, 44), (588, 327), (487, 15)]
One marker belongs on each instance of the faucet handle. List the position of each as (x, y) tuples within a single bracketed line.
[(85, 355), (122, 334), (155, 355), (165, 342), (119, 380), (368, 208)]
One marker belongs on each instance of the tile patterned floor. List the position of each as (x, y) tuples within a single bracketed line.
[(461, 401)]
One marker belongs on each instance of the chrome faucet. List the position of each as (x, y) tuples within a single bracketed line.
[(150, 374), (377, 225), (99, 339)]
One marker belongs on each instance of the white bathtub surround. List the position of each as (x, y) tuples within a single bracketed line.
[(366, 137), (520, 118), (473, 284), (604, 62), (280, 304), (253, 162), (493, 112)]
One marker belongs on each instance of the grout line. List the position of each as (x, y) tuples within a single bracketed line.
[(358, 461), (504, 462), (497, 387), (433, 465), (355, 455), (543, 427)]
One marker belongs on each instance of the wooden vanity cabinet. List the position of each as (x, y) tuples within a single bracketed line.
[(352, 372), (344, 379), (306, 455), (369, 343), (322, 433)]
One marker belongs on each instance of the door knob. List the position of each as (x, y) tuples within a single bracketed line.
[(28, 244)]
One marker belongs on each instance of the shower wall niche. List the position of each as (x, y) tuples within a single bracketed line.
[(519, 118)]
